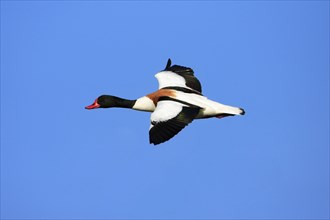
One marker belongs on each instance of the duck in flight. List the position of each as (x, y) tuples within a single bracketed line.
[(176, 103)]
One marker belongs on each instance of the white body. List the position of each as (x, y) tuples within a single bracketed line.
[(209, 108)]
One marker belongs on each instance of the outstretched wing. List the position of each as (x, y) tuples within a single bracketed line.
[(178, 76), (169, 118)]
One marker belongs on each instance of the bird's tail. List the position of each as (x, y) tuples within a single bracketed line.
[(227, 110)]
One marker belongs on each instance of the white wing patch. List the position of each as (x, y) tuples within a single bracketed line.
[(168, 78), (166, 110), (168, 119)]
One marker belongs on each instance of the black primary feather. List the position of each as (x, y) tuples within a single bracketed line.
[(168, 63)]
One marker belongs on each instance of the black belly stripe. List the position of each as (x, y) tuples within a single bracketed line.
[(182, 89), (166, 98)]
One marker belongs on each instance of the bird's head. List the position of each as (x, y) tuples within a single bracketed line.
[(103, 101)]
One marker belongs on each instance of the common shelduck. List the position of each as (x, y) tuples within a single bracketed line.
[(176, 103)]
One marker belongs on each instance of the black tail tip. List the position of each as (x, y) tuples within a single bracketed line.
[(243, 111)]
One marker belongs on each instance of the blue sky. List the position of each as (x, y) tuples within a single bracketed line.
[(61, 161)]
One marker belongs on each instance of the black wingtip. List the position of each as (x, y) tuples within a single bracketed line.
[(243, 111), (169, 62)]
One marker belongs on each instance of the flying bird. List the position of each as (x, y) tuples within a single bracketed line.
[(177, 102)]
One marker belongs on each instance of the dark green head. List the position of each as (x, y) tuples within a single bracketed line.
[(108, 101)]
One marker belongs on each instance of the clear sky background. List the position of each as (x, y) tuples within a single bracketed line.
[(59, 160)]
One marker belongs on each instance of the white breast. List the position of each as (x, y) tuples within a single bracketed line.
[(144, 104)]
